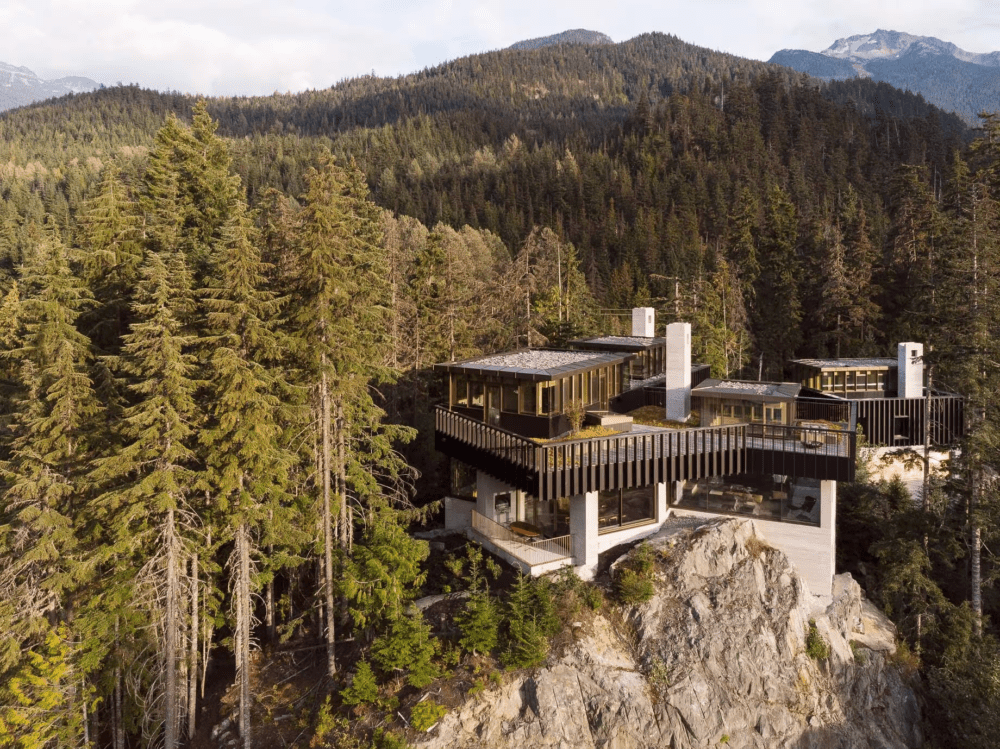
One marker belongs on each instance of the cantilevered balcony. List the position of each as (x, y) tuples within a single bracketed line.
[(644, 456)]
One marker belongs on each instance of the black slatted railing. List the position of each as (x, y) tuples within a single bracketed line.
[(641, 458)]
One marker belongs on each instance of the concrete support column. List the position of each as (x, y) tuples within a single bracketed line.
[(828, 525), (583, 527), (662, 501)]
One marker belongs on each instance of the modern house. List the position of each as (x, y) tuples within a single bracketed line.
[(543, 496), (893, 406)]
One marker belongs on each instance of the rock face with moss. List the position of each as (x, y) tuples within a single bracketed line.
[(730, 650)]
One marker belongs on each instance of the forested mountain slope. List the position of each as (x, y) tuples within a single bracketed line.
[(216, 347), (643, 154), (967, 83)]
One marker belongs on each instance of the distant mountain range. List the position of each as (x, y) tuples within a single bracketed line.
[(966, 83), (20, 86), (573, 36)]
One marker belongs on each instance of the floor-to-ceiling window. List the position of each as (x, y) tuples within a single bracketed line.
[(621, 507)]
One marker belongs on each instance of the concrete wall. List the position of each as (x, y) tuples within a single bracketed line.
[(910, 362), (678, 371), (458, 513), (812, 550), (487, 488)]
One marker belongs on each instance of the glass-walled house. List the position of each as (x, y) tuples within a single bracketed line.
[(849, 378), (530, 391), (726, 402), (650, 353)]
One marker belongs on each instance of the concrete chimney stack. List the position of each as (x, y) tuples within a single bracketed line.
[(910, 372), (643, 322), (678, 371)]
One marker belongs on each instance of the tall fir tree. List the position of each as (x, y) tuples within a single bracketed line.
[(245, 456), (43, 562), (150, 485)]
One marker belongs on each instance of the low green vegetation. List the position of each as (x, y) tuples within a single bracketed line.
[(425, 714), (816, 647), (634, 576)]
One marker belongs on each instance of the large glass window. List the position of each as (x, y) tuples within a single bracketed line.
[(510, 397), (550, 517), (529, 398), (621, 507), (762, 497), (475, 394), (550, 398), (461, 391), (463, 480)]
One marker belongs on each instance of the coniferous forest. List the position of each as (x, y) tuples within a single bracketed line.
[(218, 319)]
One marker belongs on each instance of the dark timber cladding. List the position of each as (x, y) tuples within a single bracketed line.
[(900, 421), (643, 458)]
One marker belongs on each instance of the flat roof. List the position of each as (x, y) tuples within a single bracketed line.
[(534, 364), (747, 390), (620, 342), (848, 363)]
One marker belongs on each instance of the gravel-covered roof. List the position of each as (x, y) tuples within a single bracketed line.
[(622, 342), (848, 363), (749, 390), (535, 364)]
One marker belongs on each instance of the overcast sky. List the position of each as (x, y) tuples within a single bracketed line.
[(261, 46)]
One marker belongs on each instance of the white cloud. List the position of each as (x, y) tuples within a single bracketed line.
[(256, 47)]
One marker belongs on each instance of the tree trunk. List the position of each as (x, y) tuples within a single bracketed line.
[(117, 728), (241, 561), (345, 520), (206, 641), (193, 655), (328, 540), (269, 608), (170, 624), (976, 543)]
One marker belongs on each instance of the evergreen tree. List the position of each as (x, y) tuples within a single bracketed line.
[(43, 561), (246, 461), (408, 646), (339, 312), (150, 483), (526, 638), (776, 321), (384, 572), (110, 232)]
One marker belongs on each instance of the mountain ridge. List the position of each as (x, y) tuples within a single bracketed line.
[(20, 86), (943, 73), (570, 36)]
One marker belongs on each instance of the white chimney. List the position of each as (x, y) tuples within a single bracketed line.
[(643, 322), (910, 372), (678, 371)]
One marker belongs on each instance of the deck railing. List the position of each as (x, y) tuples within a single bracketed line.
[(827, 409), (482, 436), (531, 552), (641, 458)]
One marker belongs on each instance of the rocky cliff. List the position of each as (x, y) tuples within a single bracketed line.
[(718, 657)]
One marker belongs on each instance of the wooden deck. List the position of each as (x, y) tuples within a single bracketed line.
[(644, 456)]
